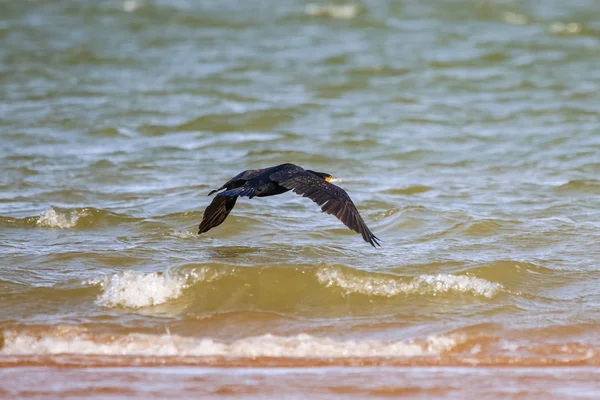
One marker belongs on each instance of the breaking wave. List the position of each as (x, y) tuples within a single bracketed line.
[(461, 347), (216, 287), (423, 284), (66, 340), (69, 218), (136, 290), (63, 220)]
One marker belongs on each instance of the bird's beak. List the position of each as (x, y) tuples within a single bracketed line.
[(332, 179)]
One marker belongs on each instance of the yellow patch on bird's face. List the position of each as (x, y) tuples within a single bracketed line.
[(332, 179)]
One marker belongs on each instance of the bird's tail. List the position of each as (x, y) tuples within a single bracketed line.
[(216, 190), (241, 191)]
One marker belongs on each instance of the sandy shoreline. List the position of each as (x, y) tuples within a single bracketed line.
[(297, 382)]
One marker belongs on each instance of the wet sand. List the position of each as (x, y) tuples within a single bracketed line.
[(255, 382)]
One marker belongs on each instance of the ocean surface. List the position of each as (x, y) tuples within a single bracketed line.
[(467, 133)]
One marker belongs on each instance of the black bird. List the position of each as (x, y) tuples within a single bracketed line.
[(280, 179)]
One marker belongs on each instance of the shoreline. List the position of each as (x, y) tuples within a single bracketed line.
[(316, 382)]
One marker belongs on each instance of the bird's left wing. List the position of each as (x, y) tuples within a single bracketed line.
[(332, 199), (216, 212)]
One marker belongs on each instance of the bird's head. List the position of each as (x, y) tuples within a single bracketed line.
[(324, 176)]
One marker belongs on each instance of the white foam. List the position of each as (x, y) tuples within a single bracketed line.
[(515, 18), (136, 290), (337, 11), (183, 235), (300, 346), (130, 5), (60, 219), (423, 284), (568, 28)]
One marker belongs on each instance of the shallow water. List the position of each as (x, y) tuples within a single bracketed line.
[(466, 132)]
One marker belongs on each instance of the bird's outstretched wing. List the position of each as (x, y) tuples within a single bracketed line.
[(216, 212), (332, 199)]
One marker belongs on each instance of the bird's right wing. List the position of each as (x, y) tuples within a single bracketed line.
[(332, 199), (216, 212)]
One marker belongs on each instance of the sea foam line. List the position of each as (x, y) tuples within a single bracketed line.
[(423, 284), (299, 346)]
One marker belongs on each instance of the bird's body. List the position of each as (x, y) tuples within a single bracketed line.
[(280, 179)]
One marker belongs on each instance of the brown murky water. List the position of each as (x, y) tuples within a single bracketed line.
[(467, 133)]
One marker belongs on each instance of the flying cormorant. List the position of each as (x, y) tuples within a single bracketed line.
[(280, 179)]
